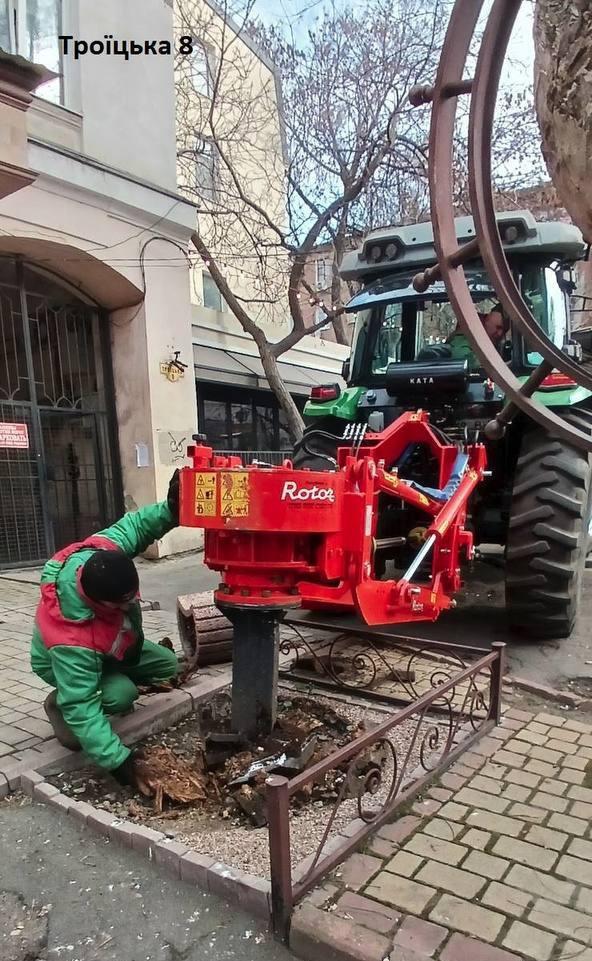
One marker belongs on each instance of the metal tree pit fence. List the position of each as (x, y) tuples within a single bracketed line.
[(377, 776), (389, 668), (269, 458)]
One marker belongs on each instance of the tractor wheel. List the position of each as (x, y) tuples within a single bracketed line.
[(547, 539), (316, 451)]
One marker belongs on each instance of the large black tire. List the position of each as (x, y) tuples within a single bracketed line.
[(317, 450), (547, 538)]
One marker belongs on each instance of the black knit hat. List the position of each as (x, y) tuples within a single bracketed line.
[(109, 576)]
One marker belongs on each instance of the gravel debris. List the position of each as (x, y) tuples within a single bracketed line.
[(232, 840)]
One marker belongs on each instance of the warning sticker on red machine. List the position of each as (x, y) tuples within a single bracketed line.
[(205, 493), (235, 493)]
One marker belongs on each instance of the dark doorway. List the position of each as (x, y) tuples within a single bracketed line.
[(57, 481)]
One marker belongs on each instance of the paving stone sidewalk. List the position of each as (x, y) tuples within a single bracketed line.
[(493, 864), (23, 723)]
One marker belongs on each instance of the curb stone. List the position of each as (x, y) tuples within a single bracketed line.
[(168, 854), (250, 892), (318, 936), (546, 692), (194, 868), (28, 781), (253, 893)]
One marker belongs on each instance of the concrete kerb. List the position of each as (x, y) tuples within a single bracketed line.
[(250, 892), (545, 692), (29, 774)]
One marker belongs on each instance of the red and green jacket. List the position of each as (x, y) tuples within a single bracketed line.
[(74, 639)]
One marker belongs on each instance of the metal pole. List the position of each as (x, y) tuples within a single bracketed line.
[(496, 428), (278, 818), (37, 429), (420, 557), (498, 669), (255, 663)]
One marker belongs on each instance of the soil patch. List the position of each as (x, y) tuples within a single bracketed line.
[(227, 819)]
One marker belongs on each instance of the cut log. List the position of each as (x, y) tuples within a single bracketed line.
[(205, 634)]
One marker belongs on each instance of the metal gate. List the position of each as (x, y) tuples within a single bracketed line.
[(57, 480)]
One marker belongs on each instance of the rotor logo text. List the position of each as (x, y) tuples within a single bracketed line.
[(291, 492)]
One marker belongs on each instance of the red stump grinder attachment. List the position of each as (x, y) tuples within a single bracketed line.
[(285, 538)]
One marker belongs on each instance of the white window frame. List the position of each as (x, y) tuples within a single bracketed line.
[(323, 272), (205, 82), (319, 313), (223, 306), (17, 29)]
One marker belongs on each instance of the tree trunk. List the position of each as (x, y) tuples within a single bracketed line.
[(266, 350), (339, 321), (285, 399), (341, 330), (563, 93)]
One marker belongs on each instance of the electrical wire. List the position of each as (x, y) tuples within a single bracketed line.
[(145, 245)]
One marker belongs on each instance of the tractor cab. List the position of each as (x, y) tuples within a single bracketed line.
[(408, 349)]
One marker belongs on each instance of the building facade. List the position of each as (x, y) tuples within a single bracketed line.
[(94, 282), (319, 277)]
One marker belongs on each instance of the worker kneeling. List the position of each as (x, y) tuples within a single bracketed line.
[(88, 641)]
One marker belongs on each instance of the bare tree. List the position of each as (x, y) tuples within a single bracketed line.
[(563, 81), (313, 142), (266, 193)]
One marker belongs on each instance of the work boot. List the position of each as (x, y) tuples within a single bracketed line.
[(61, 730)]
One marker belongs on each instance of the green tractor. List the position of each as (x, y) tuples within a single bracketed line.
[(407, 353)]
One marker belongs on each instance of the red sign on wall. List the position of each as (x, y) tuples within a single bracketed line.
[(15, 436)]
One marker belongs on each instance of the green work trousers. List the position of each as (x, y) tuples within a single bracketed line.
[(119, 681)]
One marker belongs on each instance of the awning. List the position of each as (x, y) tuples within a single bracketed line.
[(218, 366)]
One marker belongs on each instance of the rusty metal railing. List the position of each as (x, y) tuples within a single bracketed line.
[(448, 719)]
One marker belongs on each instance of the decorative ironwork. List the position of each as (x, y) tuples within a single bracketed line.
[(375, 774), (358, 664), (54, 379)]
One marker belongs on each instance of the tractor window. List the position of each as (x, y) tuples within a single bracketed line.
[(548, 304), (388, 343), (359, 341), (437, 323), (403, 330)]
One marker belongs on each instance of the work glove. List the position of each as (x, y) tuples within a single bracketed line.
[(173, 496), (130, 773)]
